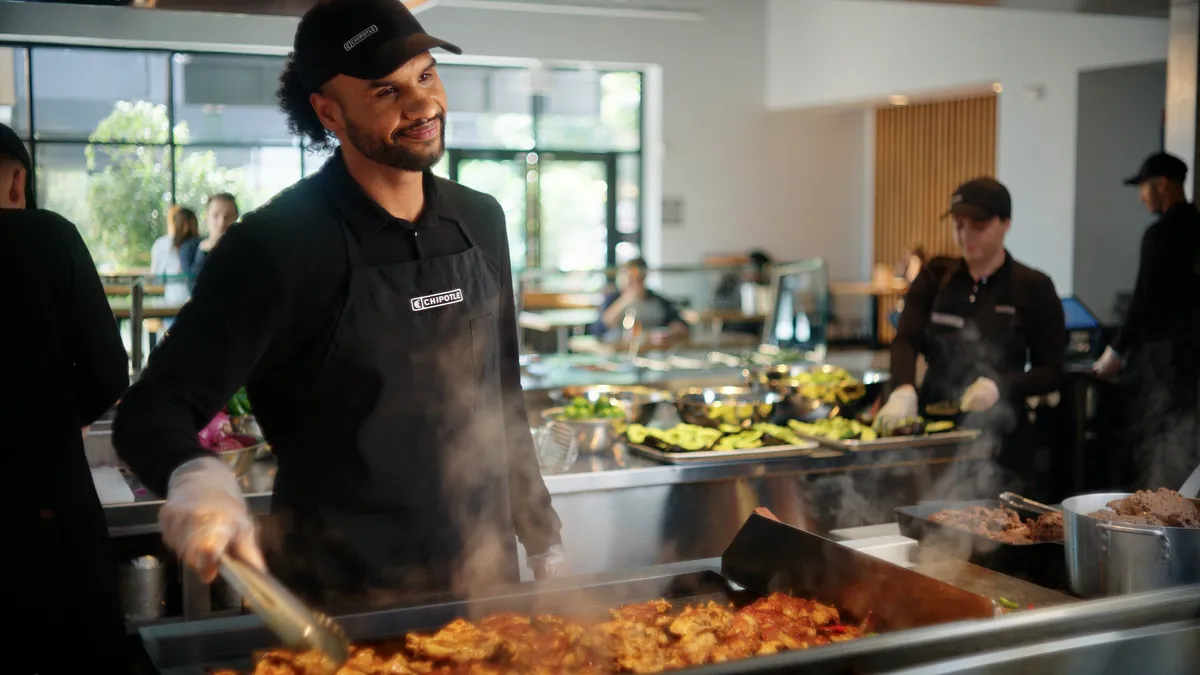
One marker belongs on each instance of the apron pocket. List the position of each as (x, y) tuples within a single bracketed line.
[(485, 358)]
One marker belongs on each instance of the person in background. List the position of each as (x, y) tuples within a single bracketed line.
[(728, 296), (652, 310), (61, 579), (219, 214), (1157, 349), (908, 269), (170, 250), (978, 320)]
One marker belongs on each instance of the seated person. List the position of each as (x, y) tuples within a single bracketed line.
[(728, 295), (652, 310)]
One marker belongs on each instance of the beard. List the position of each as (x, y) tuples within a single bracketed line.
[(392, 151)]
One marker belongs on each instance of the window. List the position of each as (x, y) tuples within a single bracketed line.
[(14, 94), (120, 135)]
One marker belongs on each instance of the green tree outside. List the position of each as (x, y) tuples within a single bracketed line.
[(129, 185)]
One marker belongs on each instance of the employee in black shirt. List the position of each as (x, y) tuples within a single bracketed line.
[(1157, 350), (369, 311), (60, 376), (979, 320)]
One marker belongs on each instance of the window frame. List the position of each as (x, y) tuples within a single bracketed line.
[(455, 154)]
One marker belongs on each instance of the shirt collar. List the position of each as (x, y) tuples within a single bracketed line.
[(365, 216), (1001, 272)]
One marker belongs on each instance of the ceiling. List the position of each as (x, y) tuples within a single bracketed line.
[(1149, 8)]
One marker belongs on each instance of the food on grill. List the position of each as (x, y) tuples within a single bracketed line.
[(1048, 527), (643, 638), (581, 408), (1161, 507), (1003, 525), (835, 429), (692, 437)]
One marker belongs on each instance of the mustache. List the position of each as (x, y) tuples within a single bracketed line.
[(440, 117)]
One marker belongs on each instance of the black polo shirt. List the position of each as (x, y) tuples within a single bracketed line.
[(265, 306), (945, 292), (1165, 307)]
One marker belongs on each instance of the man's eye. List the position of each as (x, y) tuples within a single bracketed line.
[(425, 77), (386, 91)]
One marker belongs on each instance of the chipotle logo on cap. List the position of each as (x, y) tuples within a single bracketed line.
[(366, 33)]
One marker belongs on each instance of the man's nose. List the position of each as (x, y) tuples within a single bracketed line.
[(421, 108)]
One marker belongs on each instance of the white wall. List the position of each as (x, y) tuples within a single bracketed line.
[(1120, 122), (790, 183), (833, 52)]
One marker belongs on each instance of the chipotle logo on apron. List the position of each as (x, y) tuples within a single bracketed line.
[(436, 300)]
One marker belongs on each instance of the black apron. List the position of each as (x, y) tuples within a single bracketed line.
[(419, 501), (990, 342)]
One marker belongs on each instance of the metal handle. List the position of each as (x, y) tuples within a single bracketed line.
[(1107, 528), (1017, 501)]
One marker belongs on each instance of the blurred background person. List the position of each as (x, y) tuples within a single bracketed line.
[(651, 310), (70, 371), (170, 250), (908, 268), (1155, 350), (219, 214), (747, 290)]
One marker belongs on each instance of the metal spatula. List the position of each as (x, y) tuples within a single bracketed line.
[(1191, 486), (296, 625)]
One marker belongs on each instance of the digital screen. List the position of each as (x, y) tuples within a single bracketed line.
[(1079, 317)]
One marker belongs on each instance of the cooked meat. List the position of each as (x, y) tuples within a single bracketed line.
[(643, 638), (1047, 527), (1000, 524), (458, 641), (1161, 507)]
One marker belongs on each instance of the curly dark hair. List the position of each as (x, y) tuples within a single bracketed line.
[(301, 118)]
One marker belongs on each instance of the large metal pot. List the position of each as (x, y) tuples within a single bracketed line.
[(1106, 558)]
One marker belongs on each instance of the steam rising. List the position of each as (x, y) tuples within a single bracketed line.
[(1163, 419)]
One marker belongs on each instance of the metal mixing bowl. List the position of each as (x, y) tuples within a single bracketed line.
[(639, 403), (783, 379), (593, 436), (740, 406), (242, 459)]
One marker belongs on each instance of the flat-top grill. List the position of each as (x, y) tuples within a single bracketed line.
[(766, 556)]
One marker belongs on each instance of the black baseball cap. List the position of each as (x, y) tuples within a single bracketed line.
[(981, 199), (1160, 165), (11, 146), (366, 39)]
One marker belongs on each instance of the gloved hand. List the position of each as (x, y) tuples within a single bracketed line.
[(1109, 363), (549, 565), (980, 396), (900, 406), (205, 515)]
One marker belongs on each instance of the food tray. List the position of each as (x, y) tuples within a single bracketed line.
[(1043, 563), (897, 442), (766, 452)]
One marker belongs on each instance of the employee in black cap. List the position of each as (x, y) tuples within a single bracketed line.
[(978, 320), (369, 312), (69, 371), (1158, 345)]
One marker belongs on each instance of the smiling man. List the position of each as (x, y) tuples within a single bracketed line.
[(369, 311)]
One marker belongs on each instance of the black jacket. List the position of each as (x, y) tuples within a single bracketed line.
[(64, 368)]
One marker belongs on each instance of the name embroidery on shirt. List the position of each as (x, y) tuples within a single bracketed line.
[(436, 300), (947, 320), (1006, 309)]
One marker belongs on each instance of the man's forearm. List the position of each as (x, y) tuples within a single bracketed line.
[(153, 434)]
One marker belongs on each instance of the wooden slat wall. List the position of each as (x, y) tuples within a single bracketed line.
[(923, 152)]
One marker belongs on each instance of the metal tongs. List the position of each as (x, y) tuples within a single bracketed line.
[(296, 625), (1018, 502)]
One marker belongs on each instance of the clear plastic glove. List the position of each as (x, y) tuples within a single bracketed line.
[(1109, 363), (205, 515), (549, 565), (900, 406), (980, 396)]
